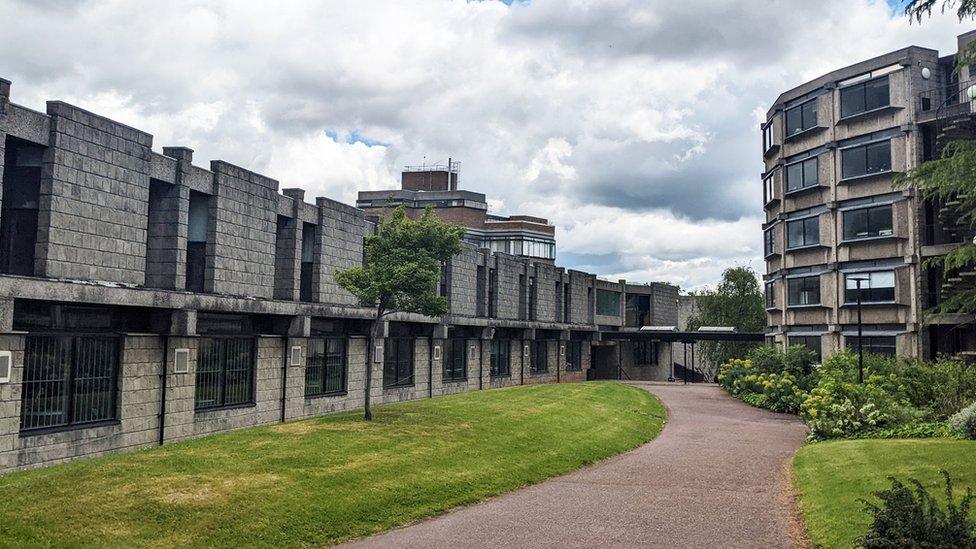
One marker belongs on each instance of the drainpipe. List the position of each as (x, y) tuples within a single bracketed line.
[(481, 363), (284, 375), (430, 366), (162, 385), (521, 362)]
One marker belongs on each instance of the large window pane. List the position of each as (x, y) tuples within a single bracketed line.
[(803, 232), (398, 362), (866, 159), (868, 223), (878, 345), (325, 369), (866, 96), (876, 94), (225, 372), (877, 287), (804, 291), (878, 157), (501, 358), (455, 360)]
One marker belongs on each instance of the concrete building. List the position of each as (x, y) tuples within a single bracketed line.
[(437, 187), (145, 299), (832, 148)]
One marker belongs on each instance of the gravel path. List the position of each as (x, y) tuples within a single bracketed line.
[(717, 476)]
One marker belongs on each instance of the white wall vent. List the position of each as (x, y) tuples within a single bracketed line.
[(296, 355), (378, 354), (181, 361), (6, 365), (525, 350), (437, 352)]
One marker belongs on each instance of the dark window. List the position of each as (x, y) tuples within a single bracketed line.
[(866, 160), (769, 189), (574, 358), (801, 118), (607, 302), (864, 97), (810, 342), (540, 357), (768, 136), (769, 242), (69, 380), (455, 360), (804, 291), (877, 345), (308, 261), (868, 222), (492, 292), (770, 294), (801, 175), (501, 358), (803, 232), (445, 280), (196, 245), (645, 353), (481, 307), (875, 287), (225, 372), (523, 299), (532, 298), (18, 210), (398, 362), (325, 371)]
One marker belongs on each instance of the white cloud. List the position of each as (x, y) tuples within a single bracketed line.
[(632, 124)]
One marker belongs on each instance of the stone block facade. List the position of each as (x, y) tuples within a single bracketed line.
[(162, 260)]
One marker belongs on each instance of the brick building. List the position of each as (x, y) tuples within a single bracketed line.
[(833, 148), (145, 299)]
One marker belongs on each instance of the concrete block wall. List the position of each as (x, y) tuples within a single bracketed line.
[(166, 236), (508, 270), (299, 406), (581, 302), (243, 218), (464, 282), (342, 229), (545, 279), (288, 258), (94, 199)]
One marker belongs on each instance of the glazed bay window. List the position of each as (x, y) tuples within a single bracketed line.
[(768, 136), (455, 360), (540, 357), (325, 371), (873, 222), (645, 353), (574, 356), (803, 232), (501, 358), (864, 97), (769, 189), (876, 345), (803, 291), (862, 160), (876, 287), (801, 175), (769, 242), (771, 294), (69, 381), (801, 118), (398, 362), (225, 372)]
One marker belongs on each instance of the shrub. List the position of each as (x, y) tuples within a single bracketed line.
[(843, 409), (939, 388), (911, 517), (915, 429), (965, 421), (754, 399)]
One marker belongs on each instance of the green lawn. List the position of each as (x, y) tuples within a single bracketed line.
[(328, 479), (831, 476)]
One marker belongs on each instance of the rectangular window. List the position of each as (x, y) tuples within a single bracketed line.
[(768, 137), (645, 353), (873, 222), (540, 357), (810, 342), (801, 118), (574, 356), (225, 372), (607, 303), (69, 381), (864, 97), (455, 360), (800, 175), (325, 370), (567, 303), (804, 291), (196, 241), (771, 294), (532, 298), (876, 345), (876, 287), (492, 292), (443, 288), (769, 242), (523, 299), (398, 362), (481, 305), (769, 190), (803, 232), (501, 358), (308, 262), (866, 159)]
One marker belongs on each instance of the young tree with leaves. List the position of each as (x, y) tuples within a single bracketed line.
[(737, 301), (402, 270)]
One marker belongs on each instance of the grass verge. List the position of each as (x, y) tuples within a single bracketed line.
[(831, 477), (328, 479)]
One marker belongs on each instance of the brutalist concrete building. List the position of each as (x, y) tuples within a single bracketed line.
[(145, 299), (835, 218)]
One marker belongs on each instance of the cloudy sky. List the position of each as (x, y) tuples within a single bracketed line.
[(632, 125)]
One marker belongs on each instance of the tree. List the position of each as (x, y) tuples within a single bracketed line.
[(949, 178), (402, 267), (738, 301)]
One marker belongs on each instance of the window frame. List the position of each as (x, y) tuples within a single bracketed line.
[(804, 281), (865, 146), (399, 343), (867, 211), (768, 136), (222, 373), (871, 344), (454, 361), (862, 86), (641, 350), (574, 355), (343, 342), (69, 383), (804, 221), (539, 349), (769, 188), (500, 354), (803, 165), (850, 294), (769, 293), (818, 350), (769, 242), (803, 110)]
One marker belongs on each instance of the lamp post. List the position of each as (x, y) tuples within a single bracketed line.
[(860, 331)]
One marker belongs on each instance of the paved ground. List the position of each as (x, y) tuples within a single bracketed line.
[(717, 476)]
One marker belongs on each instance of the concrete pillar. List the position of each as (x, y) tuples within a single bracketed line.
[(300, 326), (288, 251), (6, 315), (183, 323)]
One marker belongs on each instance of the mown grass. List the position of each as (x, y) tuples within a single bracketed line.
[(328, 479), (832, 476)]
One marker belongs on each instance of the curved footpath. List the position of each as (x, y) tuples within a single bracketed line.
[(717, 476)]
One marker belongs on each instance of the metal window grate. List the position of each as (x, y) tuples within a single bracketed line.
[(501, 358), (225, 372), (326, 370), (69, 380), (456, 361), (398, 363)]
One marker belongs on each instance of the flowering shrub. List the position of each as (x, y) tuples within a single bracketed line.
[(965, 421), (841, 409), (781, 390)]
